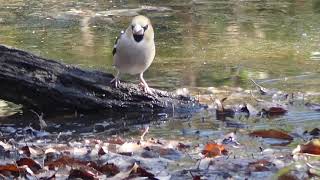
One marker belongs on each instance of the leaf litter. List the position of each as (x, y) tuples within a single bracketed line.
[(237, 151)]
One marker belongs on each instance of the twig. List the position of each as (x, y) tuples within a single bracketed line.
[(262, 90), (258, 100), (42, 123), (144, 133)]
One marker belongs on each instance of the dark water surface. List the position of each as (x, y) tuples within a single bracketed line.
[(200, 43)]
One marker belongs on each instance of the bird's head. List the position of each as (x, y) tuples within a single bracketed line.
[(141, 28)]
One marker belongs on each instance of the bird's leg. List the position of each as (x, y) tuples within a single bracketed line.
[(144, 84), (116, 80)]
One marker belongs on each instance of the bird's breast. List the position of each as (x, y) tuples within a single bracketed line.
[(133, 57)]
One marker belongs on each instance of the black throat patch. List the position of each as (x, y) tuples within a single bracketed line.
[(137, 38)]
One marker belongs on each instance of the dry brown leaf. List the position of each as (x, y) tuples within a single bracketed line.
[(82, 174), (101, 152), (66, 161), (271, 133), (32, 164), (213, 150), (109, 169), (116, 140), (272, 111), (137, 171), (26, 151), (260, 165), (311, 147), (182, 146), (9, 167)]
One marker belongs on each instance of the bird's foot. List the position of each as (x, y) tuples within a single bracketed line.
[(146, 88), (115, 81)]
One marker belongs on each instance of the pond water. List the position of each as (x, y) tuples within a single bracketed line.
[(200, 43)]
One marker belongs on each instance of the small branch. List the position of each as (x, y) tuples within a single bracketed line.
[(144, 133), (258, 100), (262, 90)]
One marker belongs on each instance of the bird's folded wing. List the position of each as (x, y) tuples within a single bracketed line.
[(116, 43)]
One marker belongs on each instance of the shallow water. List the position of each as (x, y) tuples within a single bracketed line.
[(208, 47), (199, 43)]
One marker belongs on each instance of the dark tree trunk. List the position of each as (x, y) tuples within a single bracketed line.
[(50, 86)]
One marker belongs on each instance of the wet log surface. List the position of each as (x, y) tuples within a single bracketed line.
[(49, 86)]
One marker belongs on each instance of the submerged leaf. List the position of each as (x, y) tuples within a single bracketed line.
[(315, 132), (271, 133), (182, 146), (260, 165), (276, 110), (213, 150), (313, 106)]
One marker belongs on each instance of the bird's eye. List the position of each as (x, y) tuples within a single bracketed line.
[(145, 27)]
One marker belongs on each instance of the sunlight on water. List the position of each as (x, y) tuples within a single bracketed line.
[(200, 43)]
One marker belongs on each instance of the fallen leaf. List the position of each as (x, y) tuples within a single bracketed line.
[(288, 176), (230, 139), (116, 140), (31, 151), (64, 161), (311, 147), (101, 152), (272, 109), (313, 173), (315, 132), (32, 164), (182, 146), (128, 148), (248, 109), (213, 150), (137, 171), (9, 167), (5, 146), (271, 133), (260, 165), (221, 111), (109, 169), (276, 111), (26, 151), (313, 106), (82, 174), (197, 177)]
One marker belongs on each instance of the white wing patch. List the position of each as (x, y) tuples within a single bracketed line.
[(116, 43)]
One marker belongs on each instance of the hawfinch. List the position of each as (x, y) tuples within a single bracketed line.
[(134, 50)]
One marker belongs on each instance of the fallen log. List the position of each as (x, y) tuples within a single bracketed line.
[(50, 86)]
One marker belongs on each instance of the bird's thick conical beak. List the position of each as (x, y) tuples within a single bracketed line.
[(137, 30)]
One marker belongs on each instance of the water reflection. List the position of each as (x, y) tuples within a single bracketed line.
[(197, 41), (200, 43)]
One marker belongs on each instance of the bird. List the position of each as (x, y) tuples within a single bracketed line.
[(134, 50)]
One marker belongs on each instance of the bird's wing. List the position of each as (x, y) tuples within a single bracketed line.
[(116, 43)]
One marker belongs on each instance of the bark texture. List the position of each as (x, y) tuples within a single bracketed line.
[(51, 86)]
